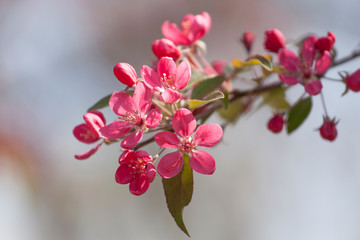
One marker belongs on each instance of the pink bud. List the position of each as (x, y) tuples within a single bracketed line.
[(353, 81), (276, 123), (125, 73), (274, 40), (248, 39), (328, 130), (313, 87), (165, 48), (325, 43)]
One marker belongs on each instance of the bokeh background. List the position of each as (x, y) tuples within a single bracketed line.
[(56, 59)]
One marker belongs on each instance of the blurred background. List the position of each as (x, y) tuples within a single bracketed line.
[(56, 60)]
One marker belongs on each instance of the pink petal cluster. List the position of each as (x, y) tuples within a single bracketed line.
[(165, 48), (328, 130), (193, 27), (353, 81), (308, 68), (184, 124), (248, 39), (274, 40), (134, 112), (168, 78), (88, 132), (137, 169), (276, 123), (325, 43), (125, 73)]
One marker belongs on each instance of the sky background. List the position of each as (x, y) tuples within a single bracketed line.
[(56, 60)]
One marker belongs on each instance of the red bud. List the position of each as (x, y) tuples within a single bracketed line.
[(276, 123), (125, 73), (274, 40)]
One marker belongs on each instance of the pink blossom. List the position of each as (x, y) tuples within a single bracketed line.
[(304, 70), (353, 81), (167, 79), (193, 27), (134, 112), (276, 123), (274, 40), (137, 169), (218, 66), (325, 43), (125, 73), (184, 124), (328, 130), (88, 132), (165, 48)]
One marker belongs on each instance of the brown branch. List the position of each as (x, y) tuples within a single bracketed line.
[(355, 54)]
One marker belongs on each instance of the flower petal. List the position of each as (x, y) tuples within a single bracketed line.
[(142, 97), (308, 50), (166, 67), (115, 130), (153, 118), (123, 174), (183, 74), (289, 60), (132, 139), (323, 63), (289, 80), (144, 155), (170, 165), (88, 153), (85, 134), (170, 96), (99, 114), (121, 103), (151, 78), (94, 121), (202, 162), (150, 172), (173, 33), (207, 135), (140, 185), (167, 139), (313, 87), (183, 122)]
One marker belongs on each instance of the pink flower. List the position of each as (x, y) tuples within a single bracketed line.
[(353, 81), (184, 124), (125, 73), (325, 43), (247, 39), (137, 169), (218, 66), (274, 40), (328, 130), (276, 123), (304, 70), (193, 27), (165, 48), (168, 79), (88, 132), (134, 112)]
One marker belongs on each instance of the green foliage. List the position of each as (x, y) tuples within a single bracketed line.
[(275, 98), (104, 102), (298, 114), (214, 96), (207, 86), (178, 193)]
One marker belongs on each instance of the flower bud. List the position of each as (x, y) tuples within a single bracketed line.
[(353, 81), (125, 73), (276, 123), (325, 43), (274, 40), (328, 129), (313, 87), (165, 48), (247, 39)]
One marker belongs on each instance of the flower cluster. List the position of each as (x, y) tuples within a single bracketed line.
[(171, 101)]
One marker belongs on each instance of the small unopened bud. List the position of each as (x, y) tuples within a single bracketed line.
[(165, 48), (325, 43), (274, 40), (247, 39), (313, 87), (353, 81), (328, 129), (276, 123), (125, 73)]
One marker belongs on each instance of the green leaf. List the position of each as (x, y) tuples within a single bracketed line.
[(196, 77), (225, 100), (104, 102), (264, 62), (178, 193), (195, 103), (298, 114), (207, 86), (275, 98), (233, 111)]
